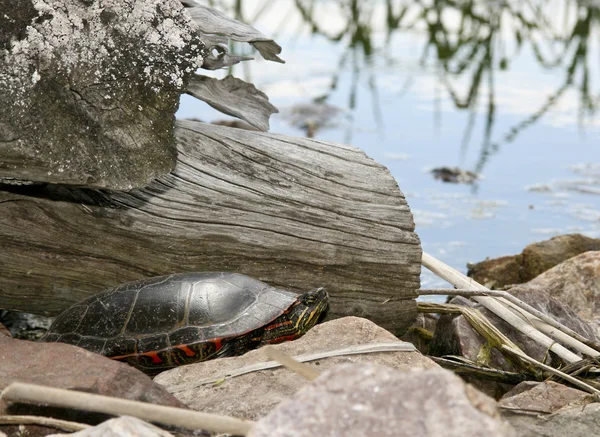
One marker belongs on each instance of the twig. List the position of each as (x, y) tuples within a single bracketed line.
[(396, 346), (301, 369), (63, 425), (592, 348), (552, 370), (461, 281), (37, 394), (462, 367)]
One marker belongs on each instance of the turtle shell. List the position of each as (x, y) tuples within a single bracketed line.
[(167, 321)]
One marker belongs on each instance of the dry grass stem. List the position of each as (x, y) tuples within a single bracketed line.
[(37, 394), (554, 371), (368, 348), (482, 325), (63, 425), (285, 360), (588, 346), (494, 305)]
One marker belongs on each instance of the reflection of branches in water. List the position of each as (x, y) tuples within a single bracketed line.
[(579, 38), (358, 35), (473, 49)]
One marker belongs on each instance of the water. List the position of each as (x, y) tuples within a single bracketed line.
[(506, 89)]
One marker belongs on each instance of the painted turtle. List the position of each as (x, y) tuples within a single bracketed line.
[(160, 323)]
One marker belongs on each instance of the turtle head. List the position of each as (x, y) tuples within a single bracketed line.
[(302, 315), (310, 305)]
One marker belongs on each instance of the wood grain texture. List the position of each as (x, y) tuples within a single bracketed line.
[(292, 212), (213, 22), (234, 97)]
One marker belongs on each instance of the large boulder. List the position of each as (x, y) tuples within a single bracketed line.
[(535, 259), (203, 386), (367, 400)]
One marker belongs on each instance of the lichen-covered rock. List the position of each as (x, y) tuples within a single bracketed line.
[(368, 400), (90, 89), (25, 326)]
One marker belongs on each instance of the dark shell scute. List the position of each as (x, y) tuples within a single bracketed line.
[(155, 343), (96, 345), (159, 307), (210, 305), (120, 346), (186, 336), (69, 321), (96, 323)]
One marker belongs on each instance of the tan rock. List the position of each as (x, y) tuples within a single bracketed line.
[(540, 397), (576, 283), (70, 367), (575, 421), (366, 400), (253, 395), (535, 259)]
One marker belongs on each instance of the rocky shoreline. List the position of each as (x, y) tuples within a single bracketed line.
[(379, 394)]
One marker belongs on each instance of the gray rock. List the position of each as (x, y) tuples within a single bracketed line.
[(369, 400), (575, 421), (4, 330), (70, 367), (253, 395), (540, 397), (421, 331), (124, 426), (25, 326)]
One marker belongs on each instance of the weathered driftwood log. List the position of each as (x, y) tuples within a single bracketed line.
[(293, 212), (91, 92)]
